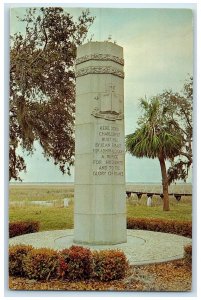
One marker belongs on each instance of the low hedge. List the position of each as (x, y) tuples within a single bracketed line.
[(41, 264), (75, 263), (183, 228), (17, 255), (188, 254), (23, 227), (109, 265)]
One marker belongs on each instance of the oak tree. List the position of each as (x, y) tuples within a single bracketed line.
[(179, 109), (42, 85)]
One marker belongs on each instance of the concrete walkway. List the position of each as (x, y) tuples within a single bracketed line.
[(142, 247)]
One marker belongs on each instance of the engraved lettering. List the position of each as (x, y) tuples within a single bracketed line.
[(108, 151)]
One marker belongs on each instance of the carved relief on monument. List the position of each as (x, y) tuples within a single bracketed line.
[(108, 105), (103, 57), (99, 70)]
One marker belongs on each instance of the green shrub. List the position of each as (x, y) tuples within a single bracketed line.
[(17, 255), (75, 263), (23, 227), (41, 264), (109, 265), (183, 228), (188, 254)]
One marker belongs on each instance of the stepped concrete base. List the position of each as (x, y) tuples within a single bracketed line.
[(142, 247)]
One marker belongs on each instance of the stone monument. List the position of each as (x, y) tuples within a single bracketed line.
[(100, 205)]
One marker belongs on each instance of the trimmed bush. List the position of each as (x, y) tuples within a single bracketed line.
[(19, 228), (41, 264), (75, 263), (17, 255), (188, 254), (183, 228), (109, 265)]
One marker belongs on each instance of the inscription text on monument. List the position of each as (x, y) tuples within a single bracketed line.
[(108, 151)]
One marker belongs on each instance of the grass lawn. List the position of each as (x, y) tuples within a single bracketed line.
[(53, 218), (50, 218), (180, 211)]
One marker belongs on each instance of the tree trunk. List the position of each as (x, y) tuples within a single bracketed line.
[(166, 206)]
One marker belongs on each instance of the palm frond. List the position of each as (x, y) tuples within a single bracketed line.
[(155, 134)]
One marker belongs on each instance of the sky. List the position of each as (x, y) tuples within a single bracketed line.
[(158, 54)]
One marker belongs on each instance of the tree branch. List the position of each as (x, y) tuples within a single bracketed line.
[(39, 54), (187, 156)]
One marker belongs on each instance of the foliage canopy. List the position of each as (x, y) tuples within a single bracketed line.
[(42, 85), (166, 125), (165, 132)]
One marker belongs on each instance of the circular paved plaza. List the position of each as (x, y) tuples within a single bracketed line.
[(142, 246)]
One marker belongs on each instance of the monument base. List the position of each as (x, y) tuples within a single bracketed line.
[(100, 229), (93, 243), (142, 247)]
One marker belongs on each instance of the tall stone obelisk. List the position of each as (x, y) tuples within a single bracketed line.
[(100, 208)]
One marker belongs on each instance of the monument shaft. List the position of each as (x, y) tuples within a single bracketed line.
[(100, 208)]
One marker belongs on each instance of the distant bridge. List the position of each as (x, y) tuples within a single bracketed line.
[(151, 194)]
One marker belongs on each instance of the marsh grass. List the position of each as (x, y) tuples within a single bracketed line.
[(58, 217), (39, 192)]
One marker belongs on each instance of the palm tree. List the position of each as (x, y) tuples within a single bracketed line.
[(157, 136)]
